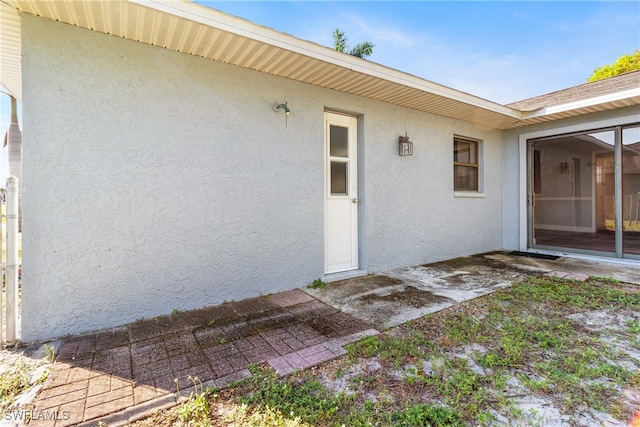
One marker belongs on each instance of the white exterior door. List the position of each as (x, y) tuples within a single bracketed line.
[(341, 193)]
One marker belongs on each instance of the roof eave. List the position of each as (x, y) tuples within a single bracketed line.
[(299, 59), (242, 27), (609, 101), (10, 51)]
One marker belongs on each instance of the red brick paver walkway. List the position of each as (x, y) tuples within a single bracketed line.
[(119, 375)]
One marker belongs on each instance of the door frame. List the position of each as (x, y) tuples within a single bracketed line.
[(352, 123), (525, 174)]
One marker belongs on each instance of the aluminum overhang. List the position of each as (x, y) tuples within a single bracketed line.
[(612, 101), (10, 51), (190, 28), (197, 30)]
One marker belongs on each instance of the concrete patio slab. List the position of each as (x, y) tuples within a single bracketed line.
[(388, 299), (623, 270)]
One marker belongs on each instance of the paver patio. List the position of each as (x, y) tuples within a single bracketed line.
[(117, 375)]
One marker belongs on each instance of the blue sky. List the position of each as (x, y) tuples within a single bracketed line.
[(502, 51)]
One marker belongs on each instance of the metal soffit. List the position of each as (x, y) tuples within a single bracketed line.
[(190, 28)]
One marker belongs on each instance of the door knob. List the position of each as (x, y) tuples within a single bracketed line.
[(354, 200)]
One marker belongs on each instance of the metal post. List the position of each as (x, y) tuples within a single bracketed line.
[(12, 259), (617, 206)]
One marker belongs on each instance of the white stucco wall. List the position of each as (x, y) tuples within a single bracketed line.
[(514, 176), (411, 214), (155, 180)]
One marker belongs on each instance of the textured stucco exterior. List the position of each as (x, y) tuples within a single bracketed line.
[(155, 180)]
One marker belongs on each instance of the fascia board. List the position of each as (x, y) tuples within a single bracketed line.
[(585, 103), (213, 18)]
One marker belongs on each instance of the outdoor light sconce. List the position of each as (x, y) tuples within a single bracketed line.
[(564, 167), (283, 106), (278, 107), (405, 146)]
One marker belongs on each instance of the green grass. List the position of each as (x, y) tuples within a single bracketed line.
[(307, 399), (389, 348), (520, 337), (12, 383), (195, 410), (317, 284), (633, 327), (421, 414)]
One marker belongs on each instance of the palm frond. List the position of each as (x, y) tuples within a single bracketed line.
[(339, 41), (362, 50)]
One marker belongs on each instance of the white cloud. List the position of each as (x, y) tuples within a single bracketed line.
[(495, 76), (380, 34), (548, 53), (483, 73)]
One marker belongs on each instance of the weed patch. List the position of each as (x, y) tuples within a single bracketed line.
[(427, 415), (306, 400), (12, 383), (195, 410), (317, 284), (390, 349)]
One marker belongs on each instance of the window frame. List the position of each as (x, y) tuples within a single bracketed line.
[(477, 192)]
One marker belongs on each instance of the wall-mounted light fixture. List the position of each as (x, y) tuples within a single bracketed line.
[(405, 146), (564, 167), (283, 106), (287, 112)]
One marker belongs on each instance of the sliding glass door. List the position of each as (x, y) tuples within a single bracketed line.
[(584, 192)]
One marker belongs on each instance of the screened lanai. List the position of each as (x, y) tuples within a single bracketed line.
[(585, 192)]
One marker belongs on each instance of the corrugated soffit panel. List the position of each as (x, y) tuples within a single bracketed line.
[(10, 51), (148, 25), (612, 105)]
